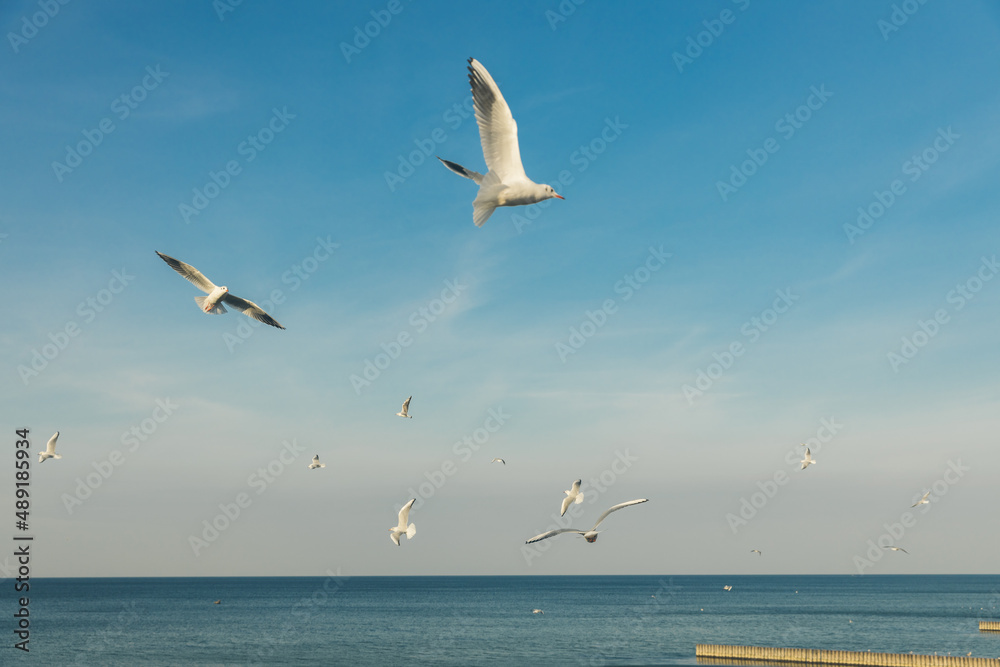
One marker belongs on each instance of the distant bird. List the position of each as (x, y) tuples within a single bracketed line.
[(499, 461), (316, 464), (572, 496), (217, 295), (505, 184), (727, 588), (217, 602), (404, 412), (897, 549), (537, 611), (589, 535), (755, 551), (922, 501), (402, 528), (807, 460), (50, 449)]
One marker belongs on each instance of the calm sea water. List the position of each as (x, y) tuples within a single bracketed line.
[(488, 620)]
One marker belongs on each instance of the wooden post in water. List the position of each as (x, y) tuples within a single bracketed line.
[(989, 626), (859, 658)]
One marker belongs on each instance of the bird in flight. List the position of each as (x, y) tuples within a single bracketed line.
[(217, 295), (50, 449), (807, 460), (537, 611), (505, 183), (572, 496), (402, 529), (589, 535), (498, 460), (404, 412), (922, 501), (316, 464), (756, 551), (897, 549)]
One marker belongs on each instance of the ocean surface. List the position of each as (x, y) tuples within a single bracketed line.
[(594, 620)]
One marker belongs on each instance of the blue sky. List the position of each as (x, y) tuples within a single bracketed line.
[(694, 391)]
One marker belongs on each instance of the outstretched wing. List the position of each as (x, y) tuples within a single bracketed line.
[(192, 274), (545, 536), (406, 405), (251, 309), (616, 508), (404, 515), (497, 129), (50, 447)]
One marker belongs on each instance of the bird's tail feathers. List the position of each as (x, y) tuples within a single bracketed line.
[(218, 310), (462, 171), (411, 530), (579, 498), (481, 212)]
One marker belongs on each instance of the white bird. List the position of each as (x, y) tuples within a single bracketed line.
[(807, 460), (756, 551), (573, 495), (406, 408), (537, 611), (922, 501), (316, 464), (589, 535), (50, 449), (897, 549), (505, 184), (727, 588), (498, 460), (217, 295), (402, 528)]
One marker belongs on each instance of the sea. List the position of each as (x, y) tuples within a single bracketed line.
[(485, 620)]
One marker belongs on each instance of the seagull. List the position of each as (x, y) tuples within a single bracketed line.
[(756, 551), (217, 295), (498, 461), (316, 464), (217, 602), (50, 449), (402, 528), (573, 495), (505, 184), (727, 588), (807, 460), (589, 535), (897, 549), (922, 501), (537, 611), (406, 408)]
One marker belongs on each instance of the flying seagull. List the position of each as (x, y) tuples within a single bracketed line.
[(573, 495), (404, 412), (807, 460), (498, 460), (50, 449), (922, 501), (217, 295), (589, 535), (505, 184), (756, 551), (537, 611), (897, 549), (402, 528), (316, 464)]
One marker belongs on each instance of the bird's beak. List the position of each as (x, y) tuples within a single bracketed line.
[(559, 197)]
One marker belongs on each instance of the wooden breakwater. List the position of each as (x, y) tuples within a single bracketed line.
[(989, 626), (823, 657)]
